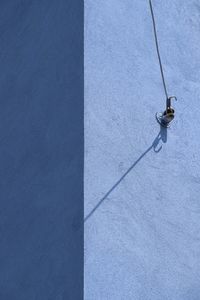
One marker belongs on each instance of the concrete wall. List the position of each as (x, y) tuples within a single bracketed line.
[(41, 149), (142, 204)]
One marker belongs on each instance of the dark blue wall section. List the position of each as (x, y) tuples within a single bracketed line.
[(41, 149)]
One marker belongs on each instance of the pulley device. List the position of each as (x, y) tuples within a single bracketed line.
[(163, 118)]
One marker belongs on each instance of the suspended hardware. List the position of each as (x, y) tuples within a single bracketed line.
[(165, 118)]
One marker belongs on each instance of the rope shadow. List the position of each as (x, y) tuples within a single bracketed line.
[(162, 136)]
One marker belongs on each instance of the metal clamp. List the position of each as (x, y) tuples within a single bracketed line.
[(165, 118)]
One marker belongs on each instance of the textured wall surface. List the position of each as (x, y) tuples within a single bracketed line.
[(41, 149), (142, 203)]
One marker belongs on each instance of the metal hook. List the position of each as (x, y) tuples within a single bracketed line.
[(165, 118), (168, 102)]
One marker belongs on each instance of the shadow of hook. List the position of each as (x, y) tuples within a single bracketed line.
[(162, 136)]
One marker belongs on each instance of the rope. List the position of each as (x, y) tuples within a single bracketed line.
[(157, 48)]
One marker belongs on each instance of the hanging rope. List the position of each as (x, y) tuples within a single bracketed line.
[(157, 48)]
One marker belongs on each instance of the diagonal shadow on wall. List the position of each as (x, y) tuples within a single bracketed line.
[(156, 146)]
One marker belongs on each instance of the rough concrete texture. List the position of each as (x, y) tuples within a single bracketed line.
[(41, 146), (142, 205)]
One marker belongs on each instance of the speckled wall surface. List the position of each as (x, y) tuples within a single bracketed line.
[(142, 204), (41, 150)]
